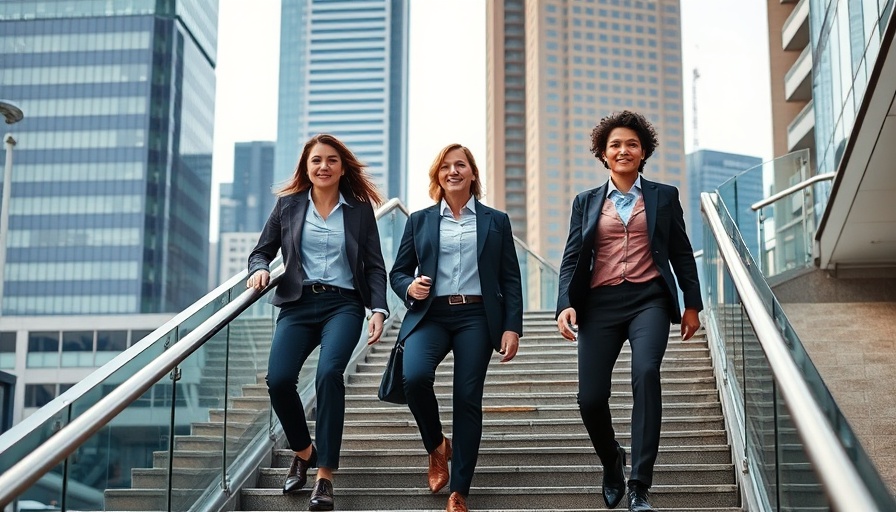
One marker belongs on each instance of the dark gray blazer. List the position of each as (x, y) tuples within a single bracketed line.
[(669, 244), (283, 231), (499, 269)]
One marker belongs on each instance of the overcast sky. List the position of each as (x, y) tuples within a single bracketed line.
[(726, 40)]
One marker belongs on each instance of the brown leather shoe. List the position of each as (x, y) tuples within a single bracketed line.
[(438, 468), (456, 503)]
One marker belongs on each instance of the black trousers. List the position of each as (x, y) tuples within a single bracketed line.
[(639, 313), (334, 322), (462, 329)]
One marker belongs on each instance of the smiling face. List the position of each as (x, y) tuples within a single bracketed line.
[(456, 174), (623, 153), (324, 166)]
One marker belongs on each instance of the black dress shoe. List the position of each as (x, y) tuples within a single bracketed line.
[(298, 472), (322, 495), (639, 498), (614, 480)]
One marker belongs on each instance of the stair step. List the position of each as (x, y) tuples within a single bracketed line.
[(515, 476), (491, 498), (538, 456), (532, 426)]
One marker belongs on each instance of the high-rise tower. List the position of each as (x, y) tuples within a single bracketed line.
[(344, 70), (554, 69), (112, 180)]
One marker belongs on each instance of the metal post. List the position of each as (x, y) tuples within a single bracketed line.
[(4, 211)]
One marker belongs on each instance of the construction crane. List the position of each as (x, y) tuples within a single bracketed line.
[(694, 114)]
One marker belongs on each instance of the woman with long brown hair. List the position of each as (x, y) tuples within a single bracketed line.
[(324, 225)]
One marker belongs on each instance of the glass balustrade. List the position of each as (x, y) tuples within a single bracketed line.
[(776, 458)]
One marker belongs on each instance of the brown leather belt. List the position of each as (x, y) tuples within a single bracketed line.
[(456, 300)]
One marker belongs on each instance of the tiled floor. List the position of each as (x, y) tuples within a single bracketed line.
[(853, 345)]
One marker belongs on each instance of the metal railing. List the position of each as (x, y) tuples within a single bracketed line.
[(793, 441)]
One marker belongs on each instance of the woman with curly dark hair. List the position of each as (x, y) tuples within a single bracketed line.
[(616, 283), (324, 225)]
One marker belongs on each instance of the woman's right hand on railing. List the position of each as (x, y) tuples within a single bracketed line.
[(259, 280)]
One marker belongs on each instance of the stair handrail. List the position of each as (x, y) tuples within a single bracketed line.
[(843, 485), (63, 443), (794, 188)]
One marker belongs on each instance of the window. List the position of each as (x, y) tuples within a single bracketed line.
[(77, 348), (7, 350), (43, 349), (39, 395)]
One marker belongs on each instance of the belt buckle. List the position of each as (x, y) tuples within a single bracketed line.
[(318, 288), (455, 300)]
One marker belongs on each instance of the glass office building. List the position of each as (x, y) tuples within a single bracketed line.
[(344, 70), (246, 203), (706, 170), (112, 176), (845, 36)]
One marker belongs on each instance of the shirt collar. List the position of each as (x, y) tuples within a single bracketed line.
[(471, 205), (341, 201), (636, 187)]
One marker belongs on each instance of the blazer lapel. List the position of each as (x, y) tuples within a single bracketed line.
[(592, 211), (483, 222), (650, 193), (298, 206), (352, 224), (433, 220)]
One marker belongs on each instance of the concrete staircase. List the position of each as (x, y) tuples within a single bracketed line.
[(535, 453)]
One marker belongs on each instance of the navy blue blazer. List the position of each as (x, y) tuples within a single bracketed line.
[(499, 269), (283, 231), (669, 244)]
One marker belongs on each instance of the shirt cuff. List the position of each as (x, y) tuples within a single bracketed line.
[(380, 310)]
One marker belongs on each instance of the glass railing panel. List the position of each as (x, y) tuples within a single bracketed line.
[(197, 398), (801, 489), (539, 279), (777, 236), (248, 347), (86, 479), (391, 226), (777, 457)]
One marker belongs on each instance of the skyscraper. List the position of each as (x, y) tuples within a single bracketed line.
[(246, 204), (112, 181), (706, 170), (250, 193), (344, 70), (554, 69)]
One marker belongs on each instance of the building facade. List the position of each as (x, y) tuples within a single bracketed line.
[(251, 192), (344, 71), (554, 69), (706, 170), (112, 180), (821, 53)]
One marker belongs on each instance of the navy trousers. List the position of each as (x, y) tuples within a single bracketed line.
[(462, 329), (334, 322), (639, 313)]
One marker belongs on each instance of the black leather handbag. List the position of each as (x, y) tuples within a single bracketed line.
[(392, 386)]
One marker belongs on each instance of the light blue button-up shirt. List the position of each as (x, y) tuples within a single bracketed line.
[(458, 271), (635, 191), (323, 247)]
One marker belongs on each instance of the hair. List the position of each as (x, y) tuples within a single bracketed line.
[(625, 119), (435, 189), (355, 182)]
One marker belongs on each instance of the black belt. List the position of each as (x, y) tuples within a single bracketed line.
[(455, 300), (328, 288)]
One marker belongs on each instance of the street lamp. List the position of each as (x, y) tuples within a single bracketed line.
[(13, 114)]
